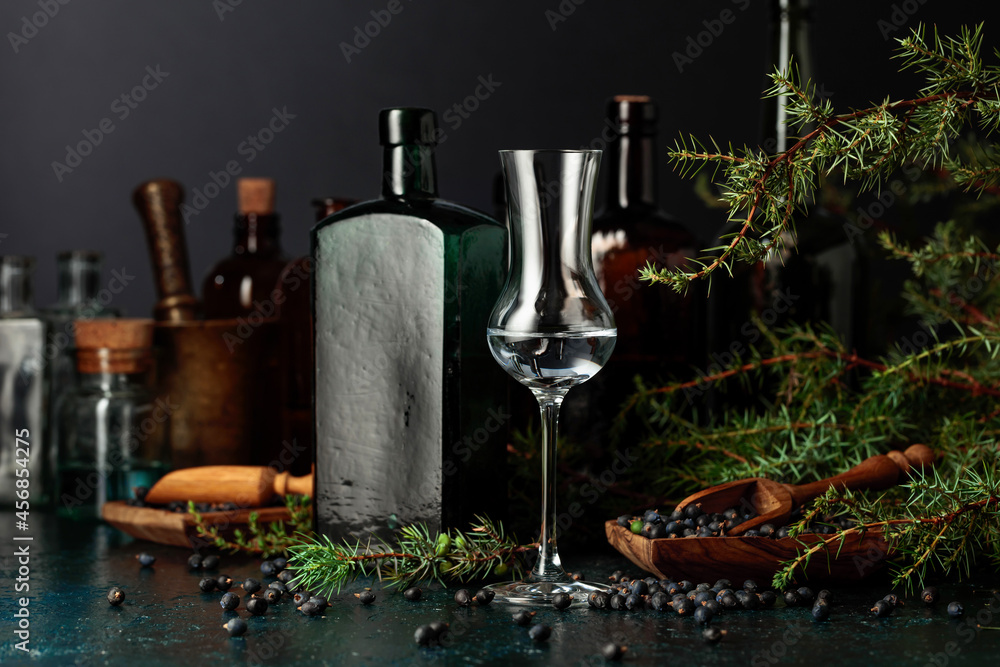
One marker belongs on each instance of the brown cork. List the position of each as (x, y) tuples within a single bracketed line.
[(114, 345), (256, 195), (632, 98)]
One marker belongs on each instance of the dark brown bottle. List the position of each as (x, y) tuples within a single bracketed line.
[(817, 276), (242, 282), (659, 331)]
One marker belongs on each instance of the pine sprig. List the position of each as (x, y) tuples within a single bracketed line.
[(323, 565), (945, 523), (274, 538), (766, 193)]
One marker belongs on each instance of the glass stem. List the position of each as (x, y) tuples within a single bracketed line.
[(548, 567)]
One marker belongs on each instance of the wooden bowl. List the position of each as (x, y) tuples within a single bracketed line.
[(178, 528), (739, 558)]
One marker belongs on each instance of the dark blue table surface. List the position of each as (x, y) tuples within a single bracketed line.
[(166, 620)]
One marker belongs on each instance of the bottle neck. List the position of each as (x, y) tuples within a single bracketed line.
[(79, 280), (110, 381), (256, 234), (408, 172), (632, 184), (790, 40), (16, 293)]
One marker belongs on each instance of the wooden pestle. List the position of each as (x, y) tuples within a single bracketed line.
[(247, 486), (158, 203)]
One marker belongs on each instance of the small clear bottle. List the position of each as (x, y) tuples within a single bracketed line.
[(114, 434), (79, 297), (22, 390)]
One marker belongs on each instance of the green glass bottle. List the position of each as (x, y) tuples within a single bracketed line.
[(411, 409)]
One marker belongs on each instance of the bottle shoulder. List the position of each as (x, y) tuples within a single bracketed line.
[(645, 226), (451, 217)]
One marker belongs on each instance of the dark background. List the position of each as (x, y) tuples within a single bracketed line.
[(227, 73)]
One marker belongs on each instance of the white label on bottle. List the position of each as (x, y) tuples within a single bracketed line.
[(379, 372)]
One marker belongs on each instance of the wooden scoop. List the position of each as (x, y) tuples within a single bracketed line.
[(247, 486), (773, 502)]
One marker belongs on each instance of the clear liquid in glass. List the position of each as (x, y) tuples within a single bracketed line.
[(556, 360)]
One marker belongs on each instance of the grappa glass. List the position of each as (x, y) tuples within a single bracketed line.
[(551, 328)]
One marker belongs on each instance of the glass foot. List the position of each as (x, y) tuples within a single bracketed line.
[(542, 592)]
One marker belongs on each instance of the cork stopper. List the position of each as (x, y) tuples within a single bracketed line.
[(256, 196), (114, 345)]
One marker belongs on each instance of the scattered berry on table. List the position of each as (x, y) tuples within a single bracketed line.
[(223, 582), (194, 562), (684, 607), (821, 611), (523, 618), (703, 615), (881, 609), (955, 609), (365, 597), (278, 586), (210, 562), (207, 585), (413, 594), (563, 600), (146, 560), (268, 569), (257, 606), (712, 634), (806, 595), (424, 636), (272, 595), (116, 596), (616, 575), (792, 598), (236, 627), (825, 595), (230, 601), (280, 563), (540, 632), (768, 598), (612, 652), (310, 608), (319, 601), (286, 576), (251, 585), (893, 599), (463, 598), (484, 596), (929, 595)]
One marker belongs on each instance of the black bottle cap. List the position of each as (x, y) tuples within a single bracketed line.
[(633, 114), (407, 126)]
